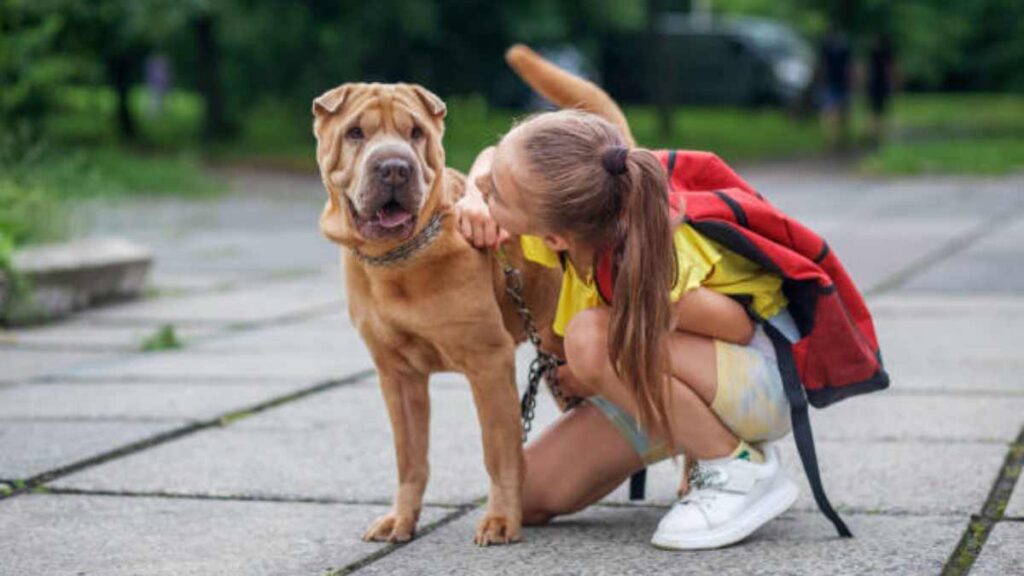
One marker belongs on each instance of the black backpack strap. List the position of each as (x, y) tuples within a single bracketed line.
[(637, 484), (802, 426)]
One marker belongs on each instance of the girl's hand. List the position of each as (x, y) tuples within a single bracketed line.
[(475, 221)]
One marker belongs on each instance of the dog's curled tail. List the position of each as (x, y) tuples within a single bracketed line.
[(565, 90)]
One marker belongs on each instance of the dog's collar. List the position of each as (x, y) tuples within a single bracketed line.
[(403, 252)]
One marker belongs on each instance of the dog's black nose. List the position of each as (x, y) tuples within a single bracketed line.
[(393, 171)]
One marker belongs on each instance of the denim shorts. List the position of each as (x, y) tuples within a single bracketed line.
[(749, 400)]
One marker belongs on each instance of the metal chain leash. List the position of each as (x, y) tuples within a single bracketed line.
[(544, 365)]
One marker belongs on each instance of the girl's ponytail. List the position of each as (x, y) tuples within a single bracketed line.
[(641, 315), (605, 195)]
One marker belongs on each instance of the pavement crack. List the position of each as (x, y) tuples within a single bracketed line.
[(29, 484), (279, 498), (981, 524), (393, 547), (943, 252)]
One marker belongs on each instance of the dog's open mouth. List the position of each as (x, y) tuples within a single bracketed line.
[(392, 220), (391, 215)]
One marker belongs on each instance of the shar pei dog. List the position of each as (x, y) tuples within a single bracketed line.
[(421, 296)]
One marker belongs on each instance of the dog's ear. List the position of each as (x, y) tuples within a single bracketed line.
[(333, 225), (433, 104), (331, 101)]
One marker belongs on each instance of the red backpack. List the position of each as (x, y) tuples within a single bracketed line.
[(837, 355)]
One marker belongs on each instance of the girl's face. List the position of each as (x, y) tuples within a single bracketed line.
[(506, 196)]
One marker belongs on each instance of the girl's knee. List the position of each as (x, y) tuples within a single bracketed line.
[(586, 348)]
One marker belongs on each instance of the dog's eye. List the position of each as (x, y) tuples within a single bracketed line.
[(354, 133), (416, 133)]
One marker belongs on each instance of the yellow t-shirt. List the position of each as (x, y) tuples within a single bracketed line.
[(702, 262)]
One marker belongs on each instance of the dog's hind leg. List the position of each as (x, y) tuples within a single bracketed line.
[(408, 402)]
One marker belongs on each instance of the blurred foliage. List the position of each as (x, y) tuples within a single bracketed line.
[(239, 54), (940, 44), (32, 68)]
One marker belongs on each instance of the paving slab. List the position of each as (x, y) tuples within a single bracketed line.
[(338, 445), (136, 401), (892, 477), (336, 337), (66, 534), (992, 264), (198, 365), (29, 448), (615, 541), (264, 301), (332, 445), (921, 417), (75, 335), (867, 248), (1003, 553), (950, 343), (1015, 507), (18, 365)]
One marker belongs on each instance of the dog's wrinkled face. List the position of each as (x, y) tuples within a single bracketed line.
[(380, 156)]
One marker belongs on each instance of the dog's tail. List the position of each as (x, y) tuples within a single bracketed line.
[(564, 89)]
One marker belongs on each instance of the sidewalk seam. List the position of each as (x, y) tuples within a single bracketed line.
[(396, 546), (943, 252), (980, 526), (60, 491), (29, 484)]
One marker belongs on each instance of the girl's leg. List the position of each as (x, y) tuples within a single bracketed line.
[(696, 430), (575, 462), (583, 456)]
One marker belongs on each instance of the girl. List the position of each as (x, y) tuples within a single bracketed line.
[(670, 363)]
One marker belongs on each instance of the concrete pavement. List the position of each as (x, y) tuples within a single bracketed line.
[(262, 447)]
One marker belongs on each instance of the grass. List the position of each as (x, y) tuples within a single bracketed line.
[(280, 135), (165, 338), (982, 156), (953, 134), (932, 133)]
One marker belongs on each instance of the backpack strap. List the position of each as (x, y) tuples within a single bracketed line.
[(637, 484), (802, 426)]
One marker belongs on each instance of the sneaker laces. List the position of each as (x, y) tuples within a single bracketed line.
[(704, 481), (706, 477)]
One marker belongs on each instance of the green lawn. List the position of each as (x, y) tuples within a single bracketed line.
[(278, 135), (953, 134)]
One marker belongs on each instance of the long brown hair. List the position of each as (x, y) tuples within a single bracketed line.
[(623, 208)]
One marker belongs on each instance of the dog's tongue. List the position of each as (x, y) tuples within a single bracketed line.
[(392, 215)]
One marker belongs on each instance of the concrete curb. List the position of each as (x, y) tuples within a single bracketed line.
[(63, 278)]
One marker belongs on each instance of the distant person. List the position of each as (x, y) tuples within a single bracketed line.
[(158, 81), (836, 70), (881, 80)]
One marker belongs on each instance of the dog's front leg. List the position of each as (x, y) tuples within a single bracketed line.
[(408, 403), (492, 378)]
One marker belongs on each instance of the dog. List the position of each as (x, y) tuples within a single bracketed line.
[(421, 296)]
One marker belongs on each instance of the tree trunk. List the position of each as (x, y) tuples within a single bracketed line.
[(215, 125), (660, 69), (119, 70)]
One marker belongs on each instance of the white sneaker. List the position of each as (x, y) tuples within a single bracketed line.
[(729, 498)]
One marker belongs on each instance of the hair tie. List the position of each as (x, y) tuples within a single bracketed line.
[(614, 159)]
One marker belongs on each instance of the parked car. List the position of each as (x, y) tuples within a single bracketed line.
[(733, 61)]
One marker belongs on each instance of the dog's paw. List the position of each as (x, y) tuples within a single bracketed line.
[(496, 529), (391, 527)]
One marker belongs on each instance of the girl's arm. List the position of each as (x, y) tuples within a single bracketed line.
[(471, 212), (708, 313)]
